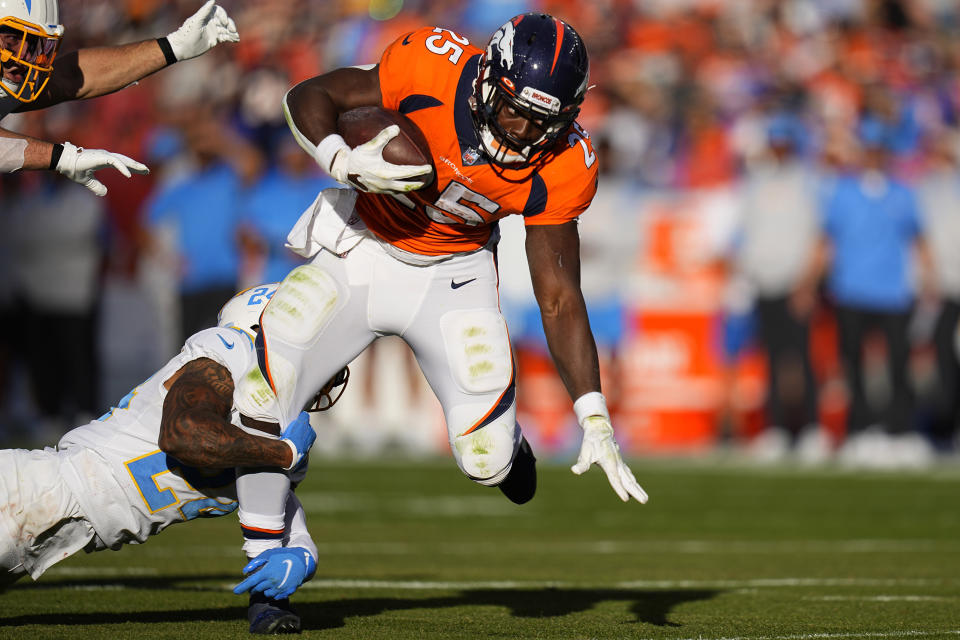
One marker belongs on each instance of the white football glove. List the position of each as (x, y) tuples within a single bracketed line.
[(202, 31), (600, 447), (365, 168), (78, 164)]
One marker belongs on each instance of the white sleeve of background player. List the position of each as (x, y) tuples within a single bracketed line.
[(11, 154), (296, 521), (229, 347)]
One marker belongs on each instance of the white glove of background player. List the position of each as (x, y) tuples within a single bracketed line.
[(600, 447), (78, 164), (365, 168), (202, 31)]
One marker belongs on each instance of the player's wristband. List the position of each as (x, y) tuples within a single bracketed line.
[(168, 53), (295, 457), (327, 150), (590, 404), (55, 156)]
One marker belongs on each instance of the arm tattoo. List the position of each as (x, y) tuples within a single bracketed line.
[(195, 427)]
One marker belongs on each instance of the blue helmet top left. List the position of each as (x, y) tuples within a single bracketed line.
[(244, 309), (30, 34)]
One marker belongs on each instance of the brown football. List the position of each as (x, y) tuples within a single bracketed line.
[(409, 147)]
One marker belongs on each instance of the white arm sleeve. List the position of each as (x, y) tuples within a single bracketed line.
[(11, 154), (296, 521)]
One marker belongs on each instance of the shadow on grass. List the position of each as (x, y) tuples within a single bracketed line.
[(650, 606)]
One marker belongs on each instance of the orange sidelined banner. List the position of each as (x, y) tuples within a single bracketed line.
[(544, 409), (672, 385), (669, 388)]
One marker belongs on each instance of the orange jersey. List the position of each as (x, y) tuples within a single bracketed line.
[(428, 75)]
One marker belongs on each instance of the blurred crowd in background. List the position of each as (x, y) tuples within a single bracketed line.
[(771, 263)]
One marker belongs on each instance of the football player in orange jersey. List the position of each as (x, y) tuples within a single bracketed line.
[(30, 33), (396, 256)]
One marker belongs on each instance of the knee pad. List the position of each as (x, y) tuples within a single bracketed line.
[(485, 454), (253, 397), (481, 363), (478, 348)]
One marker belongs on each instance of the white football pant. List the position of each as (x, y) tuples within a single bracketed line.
[(40, 520), (326, 312)]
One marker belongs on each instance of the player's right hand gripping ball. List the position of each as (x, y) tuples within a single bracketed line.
[(388, 152)]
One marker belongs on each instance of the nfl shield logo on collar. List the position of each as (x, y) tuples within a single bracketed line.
[(470, 156)]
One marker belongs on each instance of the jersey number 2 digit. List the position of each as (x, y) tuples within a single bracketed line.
[(146, 469), (579, 136), (437, 44)]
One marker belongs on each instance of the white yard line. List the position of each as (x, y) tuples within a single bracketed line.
[(98, 587), (598, 547), (831, 636), (420, 585), (101, 572), (440, 585), (879, 598), (328, 502)]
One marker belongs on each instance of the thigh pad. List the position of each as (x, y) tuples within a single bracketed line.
[(302, 305), (478, 348)]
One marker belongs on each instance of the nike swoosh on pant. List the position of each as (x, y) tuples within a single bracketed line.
[(457, 285)]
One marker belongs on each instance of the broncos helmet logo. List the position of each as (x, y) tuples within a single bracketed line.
[(503, 41)]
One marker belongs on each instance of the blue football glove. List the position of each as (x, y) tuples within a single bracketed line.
[(300, 436), (277, 572)]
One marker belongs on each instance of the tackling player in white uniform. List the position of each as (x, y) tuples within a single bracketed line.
[(165, 455), (30, 33)]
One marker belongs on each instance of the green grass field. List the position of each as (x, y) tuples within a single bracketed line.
[(416, 551)]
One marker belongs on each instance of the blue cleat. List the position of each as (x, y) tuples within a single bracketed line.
[(271, 617)]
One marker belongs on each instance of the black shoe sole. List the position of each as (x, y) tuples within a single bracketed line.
[(269, 624), (520, 485)]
